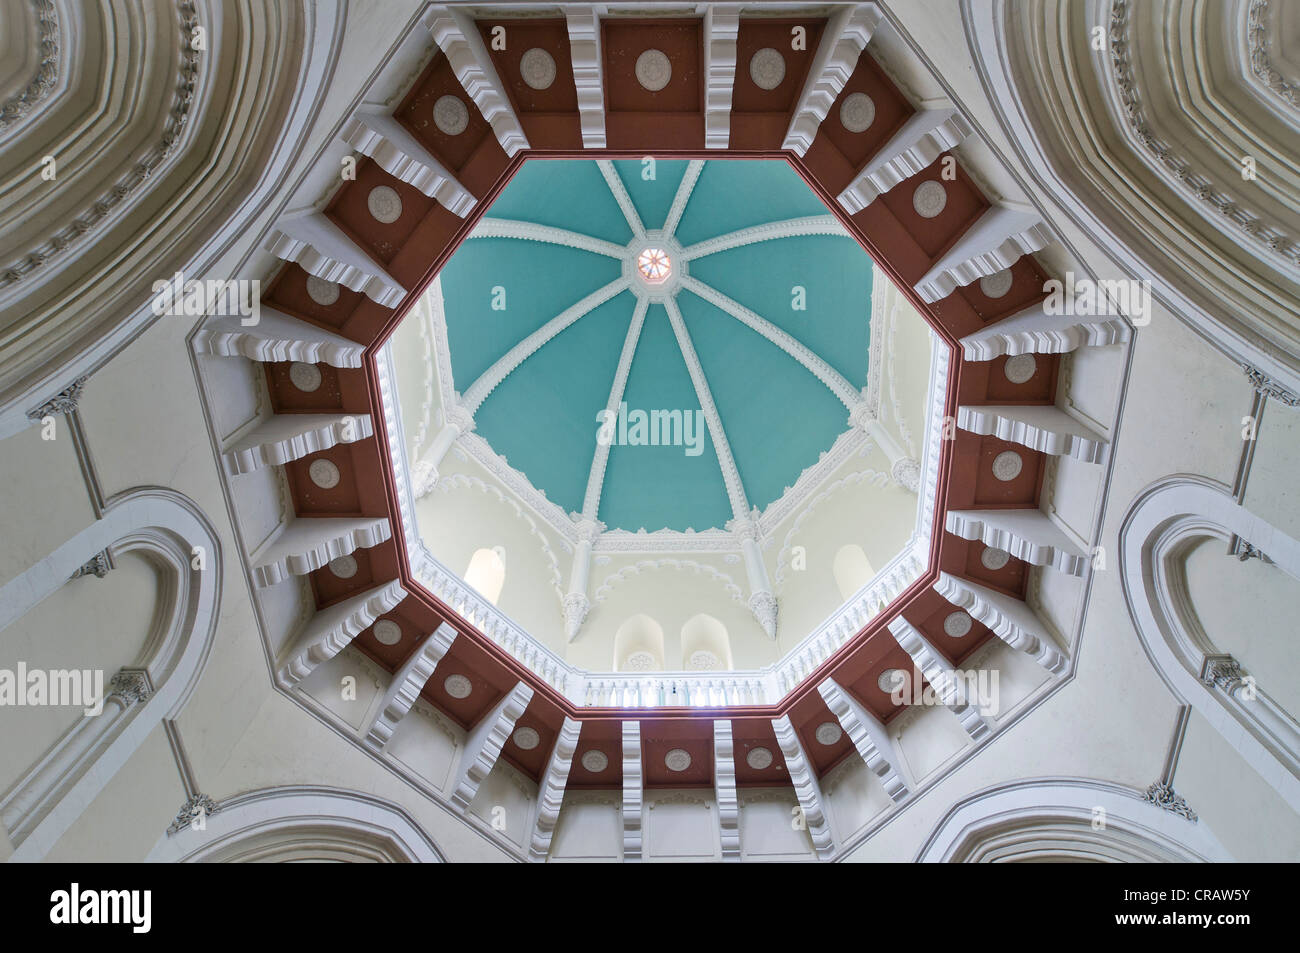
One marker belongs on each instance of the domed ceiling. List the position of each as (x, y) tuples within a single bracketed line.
[(603, 309)]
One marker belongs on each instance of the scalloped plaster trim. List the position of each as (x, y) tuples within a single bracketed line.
[(1032, 331), (484, 744), (532, 232), (322, 249), (1047, 429), (1027, 534), (277, 338), (769, 231), (806, 788), (1011, 620), (550, 792), (928, 134), (304, 545), (285, 437), (1000, 238), (843, 41), (458, 38), (407, 683), (584, 50), (401, 155), (869, 737), (331, 629)]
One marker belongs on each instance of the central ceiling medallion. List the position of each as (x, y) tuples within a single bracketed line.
[(654, 265)]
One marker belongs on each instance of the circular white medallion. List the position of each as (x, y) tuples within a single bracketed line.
[(387, 632), (344, 567), (457, 686), (385, 204), (653, 70), (1020, 368), (1007, 465), (758, 758), (929, 199), (450, 116), (891, 680), (537, 67), (994, 559), (323, 292), (679, 759), (526, 739), (957, 625), (996, 285), (639, 662), (324, 474), (767, 68), (828, 733), (305, 377), (595, 761), (703, 660), (857, 112)]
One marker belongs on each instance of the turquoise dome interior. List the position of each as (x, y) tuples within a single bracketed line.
[(543, 416)]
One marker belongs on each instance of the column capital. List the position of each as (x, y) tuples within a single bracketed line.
[(64, 402)]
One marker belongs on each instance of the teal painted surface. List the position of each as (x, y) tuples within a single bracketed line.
[(778, 417)]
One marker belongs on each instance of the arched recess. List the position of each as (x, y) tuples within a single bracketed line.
[(706, 646), (486, 573), (639, 645), (1167, 520), (301, 824), (851, 569), (1066, 819), (175, 535)]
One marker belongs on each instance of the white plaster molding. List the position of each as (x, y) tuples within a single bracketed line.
[(724, 787), (1027, 534), (619, 191), (600, 458), (584, 49), (685, 188), (1033, 331), (1055, 818), (277, 338), (550, 793), (322, 249), (870, 738), (1161, 522), (680, 565), (768, 231), (730, 475), (379, 136), (281, 438), (529, 231), (806, 788), (303, 545), (407, 683), (483, 744), (332, 629), (494, 375), (926, 135), (166, 527), (1011, 620), (721, 25), (1000, 238), (458, 38), (302, 823), (633, 792), (845, 37), (1047, 428)]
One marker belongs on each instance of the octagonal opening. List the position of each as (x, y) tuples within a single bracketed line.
[(664, 389)]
